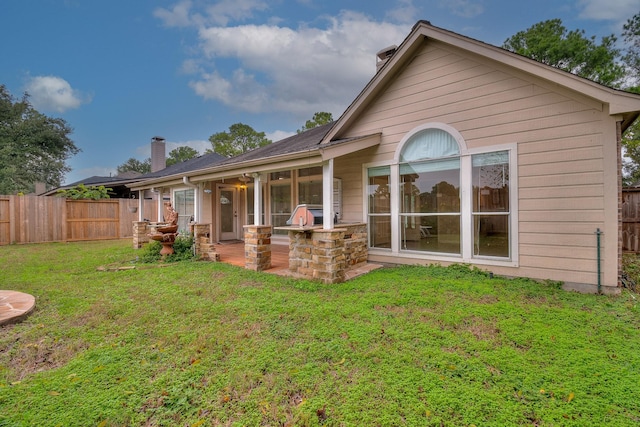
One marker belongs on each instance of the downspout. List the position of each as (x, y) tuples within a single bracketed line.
[(198, 198), (140, 205)]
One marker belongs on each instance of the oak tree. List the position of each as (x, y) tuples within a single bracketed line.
[(239, 139), (33, 147), (135, 165), (180, 154), (551, 43), (319, 119), (631, 138)]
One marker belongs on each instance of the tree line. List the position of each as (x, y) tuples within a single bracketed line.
[(35, 147)]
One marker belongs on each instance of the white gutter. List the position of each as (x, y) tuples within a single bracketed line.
[(314, 156), (185, 181)]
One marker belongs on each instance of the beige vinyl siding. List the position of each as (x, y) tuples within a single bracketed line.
[(561, 150), (349, 169)]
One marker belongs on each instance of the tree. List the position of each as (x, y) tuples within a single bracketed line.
[(549, 42), (33, 147), (239, 139), (81, 191), (181, 154), (631, 34), (631, 138), (319, 119), (135, 165)]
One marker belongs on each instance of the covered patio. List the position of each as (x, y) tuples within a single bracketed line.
[(234, 253)]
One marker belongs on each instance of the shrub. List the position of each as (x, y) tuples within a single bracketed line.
[(182, 248), (80, 192)]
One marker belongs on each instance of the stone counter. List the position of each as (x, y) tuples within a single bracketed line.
[(326, 255)]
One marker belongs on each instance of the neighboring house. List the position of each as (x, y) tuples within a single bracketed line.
[(455, 152), (183, 198), (117, 184)]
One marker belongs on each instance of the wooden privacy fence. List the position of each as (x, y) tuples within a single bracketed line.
[(35, 219), (631, 220)]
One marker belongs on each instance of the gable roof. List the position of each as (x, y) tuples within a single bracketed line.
[(620, 102)]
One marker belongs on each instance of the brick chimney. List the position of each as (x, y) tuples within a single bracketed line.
[(158, 156)]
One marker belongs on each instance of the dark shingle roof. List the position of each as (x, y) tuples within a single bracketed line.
[(103, 180), (300, 142), (200, 162)]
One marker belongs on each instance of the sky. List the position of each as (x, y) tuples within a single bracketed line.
[(120, 72)]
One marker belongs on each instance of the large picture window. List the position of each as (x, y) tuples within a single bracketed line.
[(280, 188), (379, 213), (430, 206), (448, 202), (183, 203), (491, 204)]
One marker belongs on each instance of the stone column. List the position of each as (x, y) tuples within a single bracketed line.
[(202, 242), (257, 247), (300, 253), (139, 234), (328, 260)]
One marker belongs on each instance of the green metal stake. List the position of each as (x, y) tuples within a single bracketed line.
[(598, 234)]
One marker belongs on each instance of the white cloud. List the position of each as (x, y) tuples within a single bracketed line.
[(464, 8), (190, 66), (178, 16), (233, 10), (608, 10), (297, 71), (278, 135), (54, 94), (405, 12), (182, 14)]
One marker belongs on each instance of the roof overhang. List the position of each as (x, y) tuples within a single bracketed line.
[(301, 159)]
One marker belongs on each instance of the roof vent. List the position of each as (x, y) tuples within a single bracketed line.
[(383, 56)]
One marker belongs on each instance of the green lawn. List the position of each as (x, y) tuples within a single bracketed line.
[(208, 344)]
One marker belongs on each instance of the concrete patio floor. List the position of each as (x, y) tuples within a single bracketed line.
[(233, 253)]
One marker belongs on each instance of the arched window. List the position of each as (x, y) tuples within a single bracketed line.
[(440, 199), (428, 144), (429, 165)]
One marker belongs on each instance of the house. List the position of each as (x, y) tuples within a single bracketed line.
[(117, 184), (456, 151), (183, 199)]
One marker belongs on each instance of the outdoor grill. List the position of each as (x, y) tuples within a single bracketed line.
[(306, 215)]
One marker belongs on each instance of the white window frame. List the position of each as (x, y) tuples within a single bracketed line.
[(195, 201), (466, 202)]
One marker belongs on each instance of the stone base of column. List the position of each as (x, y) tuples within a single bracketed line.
[(257, 247), (140, 232), (204, 249), (318, 254)]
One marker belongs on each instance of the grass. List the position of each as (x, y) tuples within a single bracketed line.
[(208, 344)]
